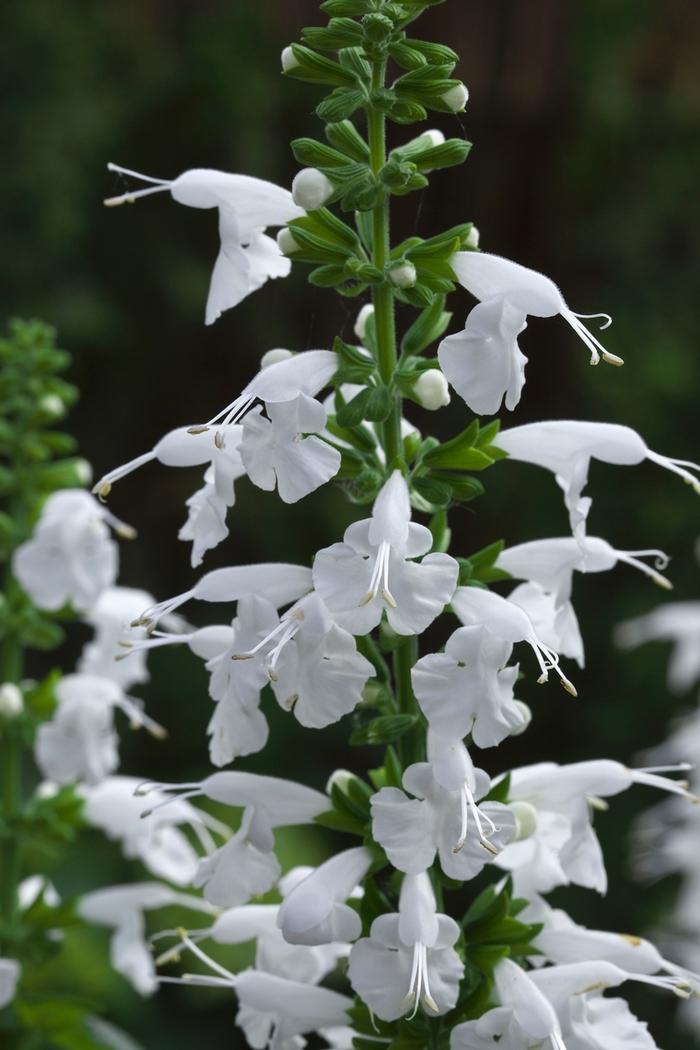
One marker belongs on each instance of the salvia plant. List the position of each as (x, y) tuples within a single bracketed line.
[(377, 922)]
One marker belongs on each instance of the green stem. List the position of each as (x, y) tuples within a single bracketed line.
[(410, 746)]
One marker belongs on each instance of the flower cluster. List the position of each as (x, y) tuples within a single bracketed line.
[(341, 636)]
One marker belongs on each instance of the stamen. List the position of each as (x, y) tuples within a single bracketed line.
[(591, 317), (677, 467), (380, 577), (464, 821), (139, 719), (633, 558), (160, 609), (674, 787), (103, 487), (427, 998), (679, 987), (206, 959), (136, 174), (557, 1041)]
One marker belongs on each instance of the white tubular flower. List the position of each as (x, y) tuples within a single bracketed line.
[(314, 666), (121, 909), (556, 625), (489, 277), (408, 960), (247, 206), (676, 622), (551, 563), (246, 865), (468, 688), (443, 817), (274, 1012), (190, 447), (113, 611), (311, 189), (566, 447), (557, 845), (531, 1010), (506, 621), (157, 839), (483, 363), (371, 571), (284, 451), (430, 390), (70, 558), (280, 583), (79, 742), (10, 973), (205, 525), (315, 912)]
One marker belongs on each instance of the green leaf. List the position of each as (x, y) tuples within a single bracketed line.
[(435, 493), (336, 821), (379, 404), (340, 104), (61, 1023), (353, 413), (459, 453), (383, 730), (427, 328), (339, 33), (346, 138), (500, 790), (316, 69)]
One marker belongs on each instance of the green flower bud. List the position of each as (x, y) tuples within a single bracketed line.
[(288, 59), (456, 98)]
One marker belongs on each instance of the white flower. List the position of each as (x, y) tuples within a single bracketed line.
[(278, 582), (190, 447), (468, 688), (483, 363), (504, 620), (70, 558), (10, 972), (157, 839), (79, 742), (371, 571), (408, 960), (283, 449), (551, 563), (490, 277), (556, 625), (121, 908), (443, 817), (311, 189), (206, 521), (246, 865), (247, 206), (315, 912), (430, 390), (676, 622), (566, 447), (553, 805), (11, 701), (113, 611), (275, 1011)]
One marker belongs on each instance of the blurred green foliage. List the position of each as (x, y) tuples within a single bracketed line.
[(585, 119)]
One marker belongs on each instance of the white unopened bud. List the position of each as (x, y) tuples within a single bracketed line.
[(527, 718), (11, 701), (311, 189), (52, 405), (435, 136), (525, 819), (273, 357), (83, 471), (403, 275), (285, 242), (363, 317), (431, 390), (288, 60), (456, 98), (472, 240)]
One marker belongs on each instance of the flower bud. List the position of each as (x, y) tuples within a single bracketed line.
[(527, 718), (273, 357), (435, 136), (456, 98), (431, 390), (403, 275), (363, 317), (472, 240), (311, 189), (52, 405), (286, 243), (11, 701), (525, 819), (288, 60)]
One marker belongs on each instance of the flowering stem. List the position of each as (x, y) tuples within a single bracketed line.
[(10, 671)]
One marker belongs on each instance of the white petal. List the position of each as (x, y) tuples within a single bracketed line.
[(487, 276), (391, 513), (421, 590), (404, 829)]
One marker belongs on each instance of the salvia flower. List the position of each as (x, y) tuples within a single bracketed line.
[(205, 526), (409, 960), (110, 616), (373, 570), (10, 972), (71, 557), (676, 622), (247, 206), (315, 911), (566, 447), (443, 817)]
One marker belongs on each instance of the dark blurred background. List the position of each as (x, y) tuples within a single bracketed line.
[(585, 120)]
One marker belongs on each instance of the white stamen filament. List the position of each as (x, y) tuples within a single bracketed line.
[(674, 787), (281, 634), (661, 561), (154, 641), (557, 1041), (549, 661), (138, 718), (160, 609), (158, 185), (596, 348), (676, 985), (468, 805), (103, 487), (419, 986), (379, 580), (187, 942), (677, 467)]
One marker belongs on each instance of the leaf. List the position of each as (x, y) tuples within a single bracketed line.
[(427, 328), (353, 412), (335, 821), (500, 790), (62, 1023), (383, 730), (460, 453)]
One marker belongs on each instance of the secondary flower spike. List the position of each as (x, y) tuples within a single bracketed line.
[(490, 277), (247, 206), (372, 571), (567, 446)]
